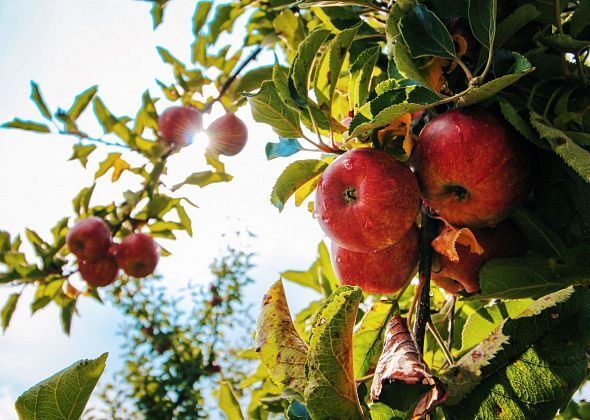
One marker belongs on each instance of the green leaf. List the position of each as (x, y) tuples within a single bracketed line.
[(289, 28), (250, 80), (293, 177), (563, 43), (405, 64), (228, 403), (37, 98), (361, 73), (63, 395), (81, 153), (319, 277), (158, 206), (581, 18), (67, 312), (107, 164), (304, 318), (200, 16), (223, 20), (104, 116), (146, 117), (380, 411), (519, 123), (539, 236), (303, 63), (157, 12), (27, 125), (81, 202), (482, 322), (202, 179), (528, 367), (328, 73), (425, 34), (280, 78), (8, 309), (482, 19), (267, 107), (198, 55), (517, 20), (284, 148), (368, 337), (390, 105), (46, 292), (81, 102), (517, 278), (487, 90), (185, 220), (279, 346), (574, 156), (167, 57), (331, 391)]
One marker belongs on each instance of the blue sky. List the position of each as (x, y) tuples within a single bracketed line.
[(67, 46)]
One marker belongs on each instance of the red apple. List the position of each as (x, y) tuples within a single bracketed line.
[(505, 240), (227, 135), (366, 200), (137, 255), (99, 273), (383, 271), (89, 239), (472, 167), (178, 124)]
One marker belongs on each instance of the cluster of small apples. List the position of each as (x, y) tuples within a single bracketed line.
[(469, 167), (227, 134), (99, 258)]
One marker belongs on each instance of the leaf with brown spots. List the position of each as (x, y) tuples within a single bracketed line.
[(330, 392), (448, 238), (529, 366), (279, 346)]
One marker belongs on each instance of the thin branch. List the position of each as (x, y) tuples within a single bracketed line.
[(427, 234), (225, 86), (465, 70), (93, 139), (364, 378), (451, 323), (441, 343)]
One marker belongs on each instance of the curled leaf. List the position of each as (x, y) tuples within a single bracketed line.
[(401, 127), (448, 238), (401, 364)]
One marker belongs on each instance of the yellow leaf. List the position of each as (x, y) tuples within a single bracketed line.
[(305, 190), (119, 166)]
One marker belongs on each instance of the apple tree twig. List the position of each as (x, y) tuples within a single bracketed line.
[(427, 234)]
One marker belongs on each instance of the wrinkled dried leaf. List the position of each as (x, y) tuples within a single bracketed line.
[(448, 238), (402, 363)]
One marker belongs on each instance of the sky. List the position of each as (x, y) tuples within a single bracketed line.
[(67, 46)]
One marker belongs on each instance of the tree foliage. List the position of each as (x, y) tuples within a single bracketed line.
[(353, 74)]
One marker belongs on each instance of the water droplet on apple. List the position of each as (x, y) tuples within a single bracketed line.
[(338, 260), (347, 164), (326, 219)]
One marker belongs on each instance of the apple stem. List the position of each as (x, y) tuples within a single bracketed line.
[(427, 234), (451, 322)]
